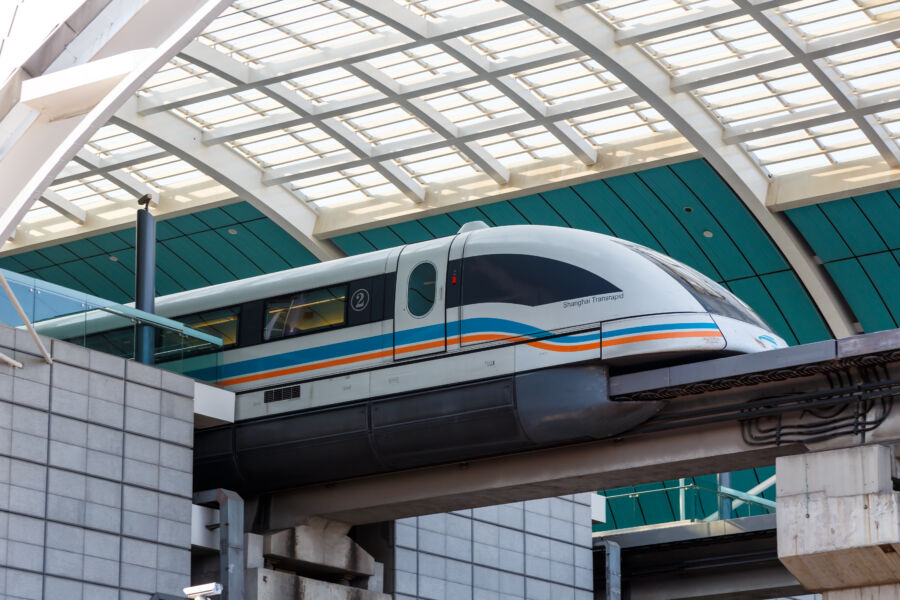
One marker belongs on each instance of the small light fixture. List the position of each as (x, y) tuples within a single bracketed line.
[(707, 233), (232, 231), (114, 258), (205, 590)]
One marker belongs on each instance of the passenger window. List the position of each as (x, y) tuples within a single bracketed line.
[(222, 323), (304, 312), (420, 297)]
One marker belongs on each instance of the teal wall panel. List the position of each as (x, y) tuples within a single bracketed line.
[(192, 251), (857, 239)]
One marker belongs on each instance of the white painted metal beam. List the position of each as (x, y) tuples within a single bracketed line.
[(180, 138), (33, 159), (65, 207), (829, 80), (697, 18), (120, 177), (378, 46), (237, 73), (432, 85), (815, 117), (652, 83), (434, 119), (782, 57)]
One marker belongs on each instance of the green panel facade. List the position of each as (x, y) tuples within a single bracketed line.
[(858, 239), (204, 248)]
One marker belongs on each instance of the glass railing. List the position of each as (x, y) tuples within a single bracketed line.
[(92, 322)]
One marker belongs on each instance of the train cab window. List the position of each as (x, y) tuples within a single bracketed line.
[(305, 312), (527, 280), (422, 285), (712, 296)]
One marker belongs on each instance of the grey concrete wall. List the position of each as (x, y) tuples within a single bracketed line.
[(95, 475), (536, 550)]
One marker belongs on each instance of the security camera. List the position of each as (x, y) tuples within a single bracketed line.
[(203, 591)]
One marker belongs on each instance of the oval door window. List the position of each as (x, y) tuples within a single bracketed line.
[(420, 296)]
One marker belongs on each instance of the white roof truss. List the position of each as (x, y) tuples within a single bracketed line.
[(333, 116)]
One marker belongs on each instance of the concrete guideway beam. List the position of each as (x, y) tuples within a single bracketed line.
[(682, 443), (158, 27), (540, 474)]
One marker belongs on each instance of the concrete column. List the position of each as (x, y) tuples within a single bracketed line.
[(839, 522)]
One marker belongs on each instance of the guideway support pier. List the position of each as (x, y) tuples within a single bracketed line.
[(839, 522)]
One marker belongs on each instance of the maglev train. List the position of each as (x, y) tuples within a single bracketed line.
[(489, 341)]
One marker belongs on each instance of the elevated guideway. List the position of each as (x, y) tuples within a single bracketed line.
[(721, 415), (733, 559)]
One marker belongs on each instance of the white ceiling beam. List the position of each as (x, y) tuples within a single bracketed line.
[(65, 207), (432, 85), (226, 167), (516, 91), (120, 177), (777, 59), (690, 20), (649, 80), (120, 161), (433, 119), (477, 190), (805, 119), (158, 28), (414, 26), (235, 72), (379, 45), (338, 130), (466, 133), (851, 178), (829, 80)]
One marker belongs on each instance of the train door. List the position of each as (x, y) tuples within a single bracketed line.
[(420, 316)]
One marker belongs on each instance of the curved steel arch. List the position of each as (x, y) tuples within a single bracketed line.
[(135, 39), (220, 163), (652, 83)]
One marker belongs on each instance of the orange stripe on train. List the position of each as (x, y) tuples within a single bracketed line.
[(484, 337), (661, 336)]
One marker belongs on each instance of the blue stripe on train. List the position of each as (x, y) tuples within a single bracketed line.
[(411, 336)]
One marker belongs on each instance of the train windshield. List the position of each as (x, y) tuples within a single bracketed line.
[(712, 296)]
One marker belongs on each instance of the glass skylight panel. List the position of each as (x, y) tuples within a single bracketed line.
[(332, 85), (288, 28), (569, 81), (620, 124), (628, 13), (437, 165), (522, 38), (177, 74), (703, 48), (890, 120), (837, 16), (448, 9), (391, 123)]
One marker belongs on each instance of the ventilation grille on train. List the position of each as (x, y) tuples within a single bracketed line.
[(283, 393)]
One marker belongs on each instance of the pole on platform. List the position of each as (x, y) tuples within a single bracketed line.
[(725, 502), (145, 279)]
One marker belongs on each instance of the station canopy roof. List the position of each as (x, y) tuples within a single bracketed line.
[(336, 116)]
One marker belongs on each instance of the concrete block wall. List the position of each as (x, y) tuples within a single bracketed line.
[(95, 475), (536, 550)]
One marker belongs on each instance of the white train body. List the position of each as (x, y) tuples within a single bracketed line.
[(506, 300)]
